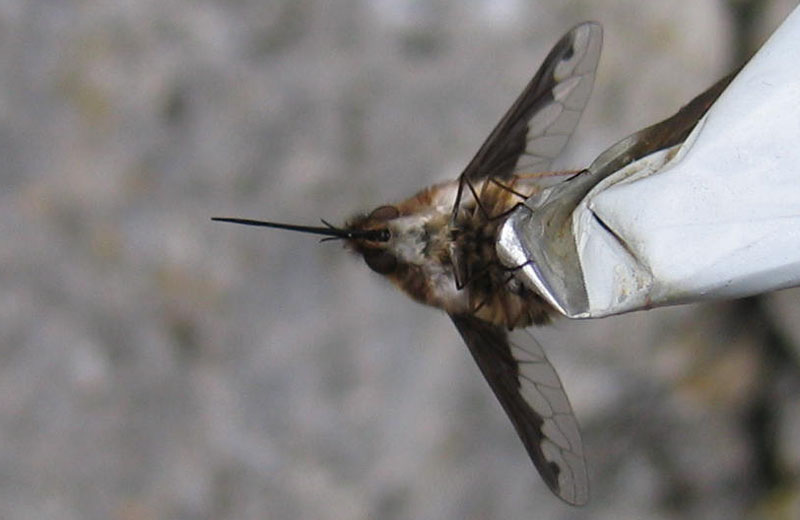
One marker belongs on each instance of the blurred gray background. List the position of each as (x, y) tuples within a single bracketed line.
[(156, 365)]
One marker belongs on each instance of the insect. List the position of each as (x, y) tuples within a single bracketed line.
[(439, 247)]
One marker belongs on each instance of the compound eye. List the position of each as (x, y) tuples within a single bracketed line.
[(384, 213), (380, 261)]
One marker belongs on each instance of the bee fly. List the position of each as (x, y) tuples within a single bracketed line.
[(439, 248)]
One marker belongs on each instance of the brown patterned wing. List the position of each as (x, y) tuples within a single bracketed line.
[(531, 393), (540, 122)]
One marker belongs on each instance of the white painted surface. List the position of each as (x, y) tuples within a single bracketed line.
[(720, 220)]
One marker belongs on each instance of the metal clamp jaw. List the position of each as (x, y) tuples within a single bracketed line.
[(703, 205)]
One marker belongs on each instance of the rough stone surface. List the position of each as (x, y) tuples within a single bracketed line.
[(156, 365)]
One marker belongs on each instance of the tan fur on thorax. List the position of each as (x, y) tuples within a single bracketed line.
[(433, 251)]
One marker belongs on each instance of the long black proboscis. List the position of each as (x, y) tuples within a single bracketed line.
[(377, 235)]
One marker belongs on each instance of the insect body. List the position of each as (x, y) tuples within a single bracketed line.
[(439, 248), (448, 260)]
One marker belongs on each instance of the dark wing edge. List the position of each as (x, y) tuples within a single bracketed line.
[(532, 396), (664, 134), (540, 122)]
